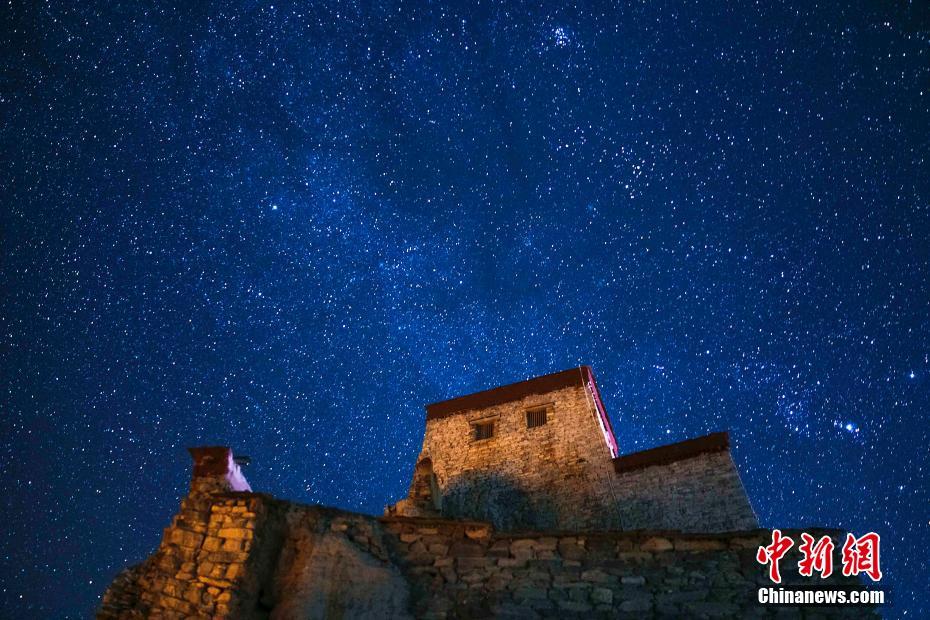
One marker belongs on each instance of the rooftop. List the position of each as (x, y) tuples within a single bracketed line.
[(507, 393), (663, 455)]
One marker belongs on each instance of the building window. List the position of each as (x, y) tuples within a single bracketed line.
[(536, 417), (484, 430)]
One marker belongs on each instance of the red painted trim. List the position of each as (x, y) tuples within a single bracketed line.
[(608, 428), (211, 460)]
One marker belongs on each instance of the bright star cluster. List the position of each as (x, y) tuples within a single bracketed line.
[(286, 228)]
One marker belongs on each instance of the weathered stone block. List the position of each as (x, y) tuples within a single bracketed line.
[(470, 563), (657, 544), (712, 609), (466, 549), (478, 532), (602, 595), (596, 576), (512, 562), (636, 605), (699, 545), (571, 550), (576, 606)]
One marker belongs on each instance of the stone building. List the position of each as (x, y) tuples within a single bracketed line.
[(542, 454), (520, 507)]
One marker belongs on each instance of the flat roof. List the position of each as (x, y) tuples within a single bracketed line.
[(663, 455), (507, 393)]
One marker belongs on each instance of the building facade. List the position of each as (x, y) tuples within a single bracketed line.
[(542, 454)]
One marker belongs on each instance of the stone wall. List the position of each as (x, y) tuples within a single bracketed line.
[(259, 558), (208, 561), (551, 476), (467, 570), (702, 493), (234, 554)]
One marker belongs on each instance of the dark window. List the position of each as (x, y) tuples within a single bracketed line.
[(536, 417), (484, 430)]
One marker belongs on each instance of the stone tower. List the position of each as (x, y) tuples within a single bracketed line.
[(542, 454), (531, 455)]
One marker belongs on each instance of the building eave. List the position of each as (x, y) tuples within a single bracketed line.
[(507, 393), (664, 455)]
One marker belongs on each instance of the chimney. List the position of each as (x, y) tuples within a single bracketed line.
[(216, 470)]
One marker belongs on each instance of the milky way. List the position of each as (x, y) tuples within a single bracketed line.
[(286, 229)]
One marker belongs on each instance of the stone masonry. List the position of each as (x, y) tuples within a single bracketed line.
[(249, 556), (230, 554), (519, 507), (694, 489), (565, 473), (553, 475)]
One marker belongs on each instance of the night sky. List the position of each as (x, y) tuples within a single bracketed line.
[(287, 228)]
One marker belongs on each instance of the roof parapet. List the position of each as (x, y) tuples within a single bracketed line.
[(508, 393), (663, 455)]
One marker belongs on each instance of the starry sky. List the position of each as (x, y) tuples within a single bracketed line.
[(287, 227)]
